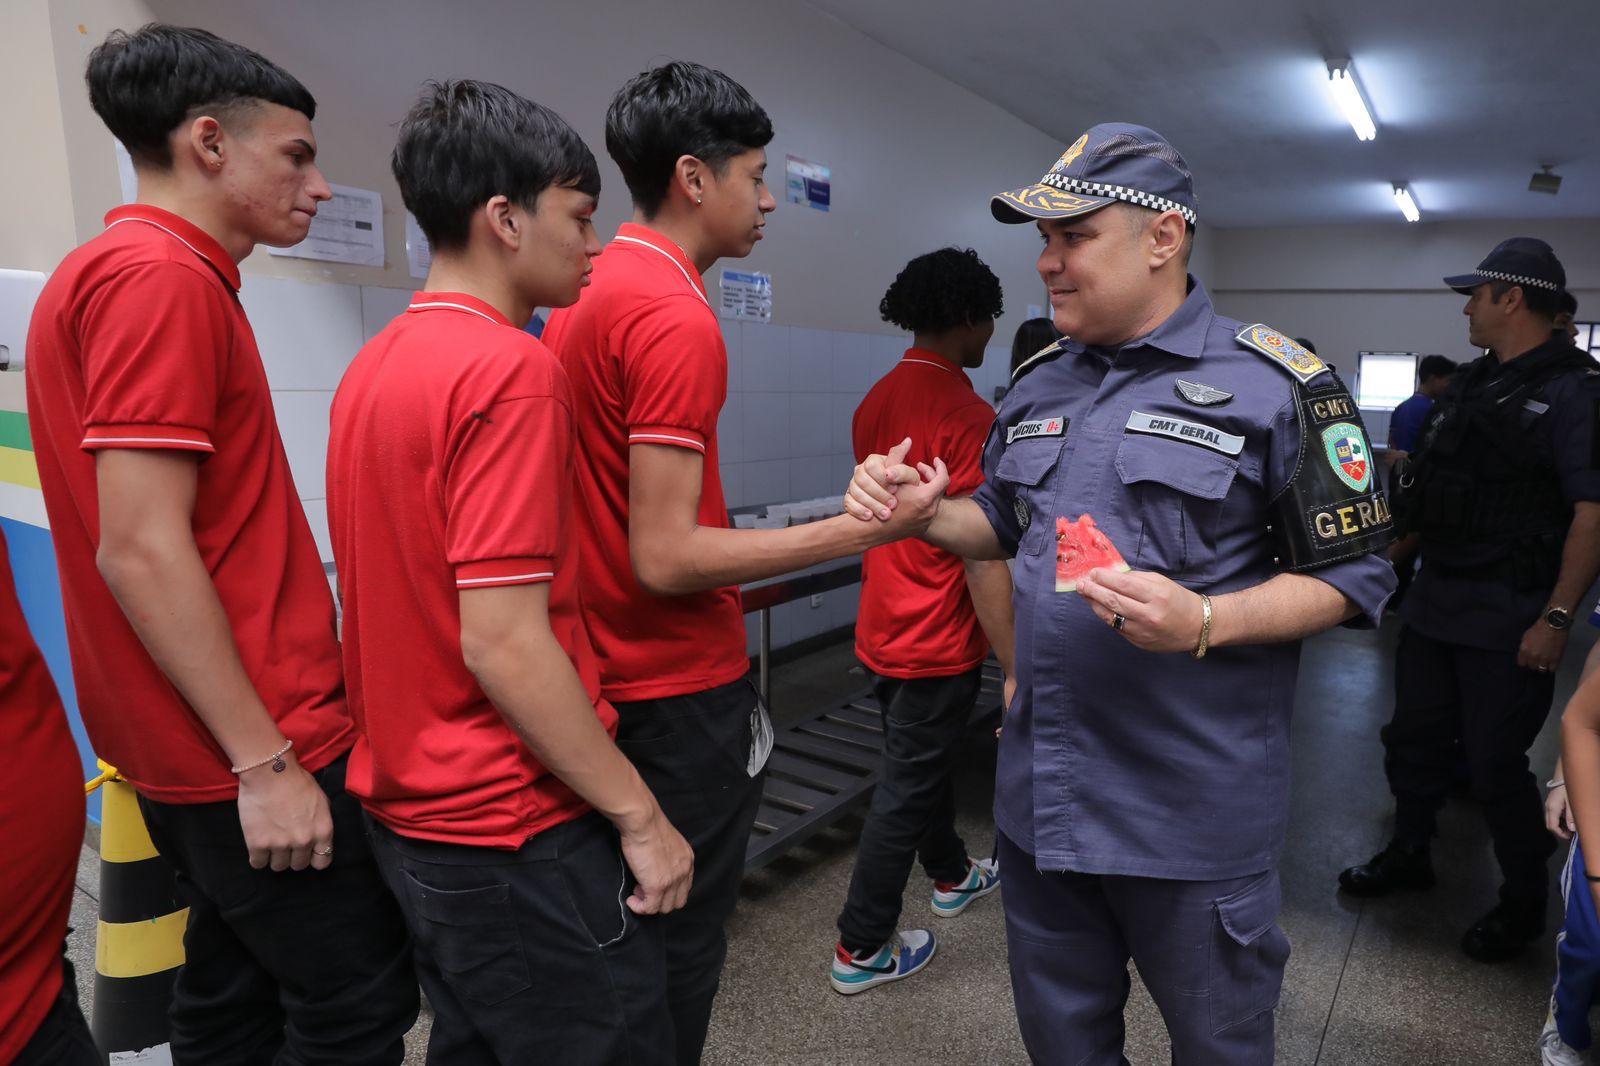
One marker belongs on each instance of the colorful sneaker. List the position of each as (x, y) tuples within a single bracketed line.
[(906, 952), (950, 898), (1553, 1051)]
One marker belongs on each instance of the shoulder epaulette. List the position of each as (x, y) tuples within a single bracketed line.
[(1283, 351), (1038, 358)]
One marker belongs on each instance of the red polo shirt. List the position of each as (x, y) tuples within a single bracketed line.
[(916, 617), (450, 468), (41, 822), (139, 341), (648, 365)]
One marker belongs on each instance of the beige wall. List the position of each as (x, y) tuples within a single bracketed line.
[(914, 157), (36, 227), (1379, 288)]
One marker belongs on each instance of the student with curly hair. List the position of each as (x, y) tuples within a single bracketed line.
[(927, 621)]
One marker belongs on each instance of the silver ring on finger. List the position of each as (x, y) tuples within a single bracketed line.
[(1117, 622), (323, 851)]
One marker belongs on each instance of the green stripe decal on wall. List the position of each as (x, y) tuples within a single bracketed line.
[(14, 431)]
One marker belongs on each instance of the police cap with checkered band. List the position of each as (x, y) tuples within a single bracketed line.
[(1112, 162), (1525, 261)]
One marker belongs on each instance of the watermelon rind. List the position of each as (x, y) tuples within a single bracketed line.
[(1072, 586)]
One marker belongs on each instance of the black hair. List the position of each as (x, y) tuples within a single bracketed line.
[(1545, 303), (1032, 337), (1305, 343), (465, 142), (675, 110), (941, 290), (1566, 303), (1436, 366), (145, 84)]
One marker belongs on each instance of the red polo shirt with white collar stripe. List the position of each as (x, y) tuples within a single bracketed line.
[(648, 366), (450, 469), (916, 617), (138, 341)]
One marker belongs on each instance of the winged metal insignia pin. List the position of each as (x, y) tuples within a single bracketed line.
[(1202, 395)]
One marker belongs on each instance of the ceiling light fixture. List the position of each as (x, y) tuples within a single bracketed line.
[(1342, 83), (1407, 206), (1546, 180)]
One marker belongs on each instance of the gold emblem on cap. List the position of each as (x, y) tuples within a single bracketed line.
[(1045, 198), (1070, 154)]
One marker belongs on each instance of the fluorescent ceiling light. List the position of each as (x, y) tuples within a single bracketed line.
[(1407, 206), (1342, 83)]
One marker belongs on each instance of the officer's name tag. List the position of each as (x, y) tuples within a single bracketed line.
[(1037, 427), (1186, 431), (1535, 407)]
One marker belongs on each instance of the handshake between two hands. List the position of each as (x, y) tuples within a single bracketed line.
[(904, 499)]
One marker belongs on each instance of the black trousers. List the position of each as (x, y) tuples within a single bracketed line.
[(694, 753), (293, 968), (1447, 692), (532, 955), (913, 812), (62, 1038)]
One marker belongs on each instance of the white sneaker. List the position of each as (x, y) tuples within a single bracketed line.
[(907, 951), (1553, 1051), (983, 877)]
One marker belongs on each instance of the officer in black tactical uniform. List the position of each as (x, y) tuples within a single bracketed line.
[(1503, 497)]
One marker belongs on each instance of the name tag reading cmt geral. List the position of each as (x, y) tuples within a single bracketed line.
[(1186, 431)]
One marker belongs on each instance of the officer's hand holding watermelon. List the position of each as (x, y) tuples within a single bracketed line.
[(1158, 613)]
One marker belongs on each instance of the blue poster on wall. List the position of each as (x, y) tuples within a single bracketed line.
[(809, 183)]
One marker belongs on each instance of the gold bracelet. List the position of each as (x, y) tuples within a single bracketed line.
[(276, 759), (1205, 628)]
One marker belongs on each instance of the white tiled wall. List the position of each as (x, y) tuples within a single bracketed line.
[(783, 435), (792, 392)]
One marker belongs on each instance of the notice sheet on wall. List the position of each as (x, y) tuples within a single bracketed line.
[(419, 257), (347, 229), (746, 294)]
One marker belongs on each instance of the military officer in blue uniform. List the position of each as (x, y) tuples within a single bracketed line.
[(1143, 783), (1502, 497)]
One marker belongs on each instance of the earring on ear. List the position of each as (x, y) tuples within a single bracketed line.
[(698, 201)]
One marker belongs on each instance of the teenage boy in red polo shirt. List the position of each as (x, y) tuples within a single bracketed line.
[(41, 821), (504, 817), (649, 370), (924, 614), (198, 615)]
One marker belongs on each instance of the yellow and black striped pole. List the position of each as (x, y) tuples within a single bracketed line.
[(139, 941)]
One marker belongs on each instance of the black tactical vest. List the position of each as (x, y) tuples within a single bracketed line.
[(1478, 480)]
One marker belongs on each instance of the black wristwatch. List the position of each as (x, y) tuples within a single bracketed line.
[(1558, 618)]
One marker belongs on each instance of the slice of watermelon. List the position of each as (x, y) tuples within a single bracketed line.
[(1080, 548)]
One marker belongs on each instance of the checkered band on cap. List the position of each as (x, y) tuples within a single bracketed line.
[(1517, 279), (1118, 192)]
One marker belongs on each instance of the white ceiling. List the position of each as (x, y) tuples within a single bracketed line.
[(1470, 96)]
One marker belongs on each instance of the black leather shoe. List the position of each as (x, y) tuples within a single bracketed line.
[(1504, 932), (1396, 868)]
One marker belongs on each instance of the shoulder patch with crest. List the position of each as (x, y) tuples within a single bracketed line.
[(1282, 350)]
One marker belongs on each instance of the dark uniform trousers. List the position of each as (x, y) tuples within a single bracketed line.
[(1210, 952), (913, 810), (295, 968), (694, 753), (1446, 692)]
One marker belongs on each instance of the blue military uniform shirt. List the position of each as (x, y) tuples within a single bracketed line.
[(1115, 760)]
